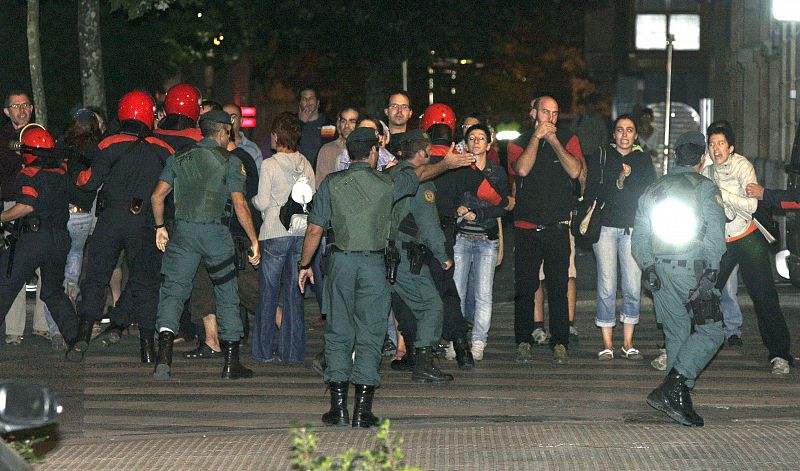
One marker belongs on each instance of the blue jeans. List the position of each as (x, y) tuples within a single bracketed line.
[(475, 262), (278, 275), (612, 250), (731, 312), (79, 226)]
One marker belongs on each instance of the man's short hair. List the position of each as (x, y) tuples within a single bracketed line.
[(688, 155), (722, 127), (538, 98), (408, 149), (359, 150), (210, 128), (234, 105), (398, 92), (308, 87), (15, 92), (213, 104), (349, 108)]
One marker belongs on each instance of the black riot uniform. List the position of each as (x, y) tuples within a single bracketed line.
[(42, 242), (128, 166)]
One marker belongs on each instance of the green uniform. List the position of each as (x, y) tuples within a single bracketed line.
[(681, 198), (203, 177), (415, 220), (356, 205)]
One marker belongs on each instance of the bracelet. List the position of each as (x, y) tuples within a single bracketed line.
[(159, 226), (300, 266)]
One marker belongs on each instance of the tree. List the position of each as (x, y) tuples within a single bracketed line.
[(35, 61), (91, 54)]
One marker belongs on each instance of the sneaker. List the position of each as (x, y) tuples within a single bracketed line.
[(13, 339), (540, 337), (660, 362), (477, 349), (573, 333), (780, 366), (450, 352), (560, 355), (734, 341), (523, 353)]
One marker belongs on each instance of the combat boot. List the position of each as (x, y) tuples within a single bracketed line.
[(338, 415), (147, 346), (463, 354), (362, 411), (164, 358), (232, 368), (80, 345), (672, 398), (110, 335), (425, 371)]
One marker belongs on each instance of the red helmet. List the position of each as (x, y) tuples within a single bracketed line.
[(35, 135), (136, 105), (183, 99), (438, 113)]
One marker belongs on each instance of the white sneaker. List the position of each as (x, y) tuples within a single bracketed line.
[(660, 362), (450, 352), (780, 366), (540, 337), (477, 349)]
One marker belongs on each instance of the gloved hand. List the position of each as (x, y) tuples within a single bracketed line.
[(705, 286), (651, 279)]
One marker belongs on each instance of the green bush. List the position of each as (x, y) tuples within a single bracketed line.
[(385, 455)]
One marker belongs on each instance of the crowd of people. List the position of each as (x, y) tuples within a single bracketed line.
[(397, 231)]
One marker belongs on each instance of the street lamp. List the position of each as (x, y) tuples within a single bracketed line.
[(786, 10)]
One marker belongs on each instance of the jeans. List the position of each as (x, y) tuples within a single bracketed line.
[(79, 226), (613, 250), (475, 262), (731, 312), (278, 274)]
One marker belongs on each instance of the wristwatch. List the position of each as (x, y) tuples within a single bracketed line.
[(159, 226), (300, 266)]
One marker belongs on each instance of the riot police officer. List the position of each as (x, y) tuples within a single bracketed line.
[(678, 241), (355, 204), (39, 237), (179, 127), (127, 167), (203, 176), (416, 232)]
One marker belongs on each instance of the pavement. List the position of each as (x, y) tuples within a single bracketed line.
[(499, 416)]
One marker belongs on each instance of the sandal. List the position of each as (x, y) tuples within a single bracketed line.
[(202, 352), (631, 354), (42, 333), (606, 355)]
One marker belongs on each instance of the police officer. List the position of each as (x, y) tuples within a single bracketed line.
[(415, 232), (356, 205), (203, 176), (127, 166), (40, 233), (179, 127), (678, 241)]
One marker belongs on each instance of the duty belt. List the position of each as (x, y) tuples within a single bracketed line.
[(336, 249)]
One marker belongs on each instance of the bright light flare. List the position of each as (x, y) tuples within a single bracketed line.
[(673, 221), (507, 135), (786, 10)]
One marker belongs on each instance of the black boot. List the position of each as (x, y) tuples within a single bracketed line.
[(362, 411), (338, 415), (147, 346), (463, 353), (110, 335), (232, 368), (164, 359), (672, 398), (425, 371), (406, 363), (80, 345)]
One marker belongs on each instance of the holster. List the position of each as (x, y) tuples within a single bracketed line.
[(136, 206), (391, 258), (325, 260), (240, 247), (417, 256), (705, 312)]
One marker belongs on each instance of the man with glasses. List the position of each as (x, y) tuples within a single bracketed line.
[(328, 155), (19, 109), (398, 110)]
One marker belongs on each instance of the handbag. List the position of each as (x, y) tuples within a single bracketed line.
[(294, 213), (586, 225)]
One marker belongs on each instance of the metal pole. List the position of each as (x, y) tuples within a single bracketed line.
[(668, 108), (404, 72)]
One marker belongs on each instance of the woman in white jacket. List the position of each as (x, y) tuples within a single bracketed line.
[(280, 248)]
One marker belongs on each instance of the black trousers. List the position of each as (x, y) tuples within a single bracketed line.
[(531, 249), (47, 250), (118, 229), (752, 254)]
